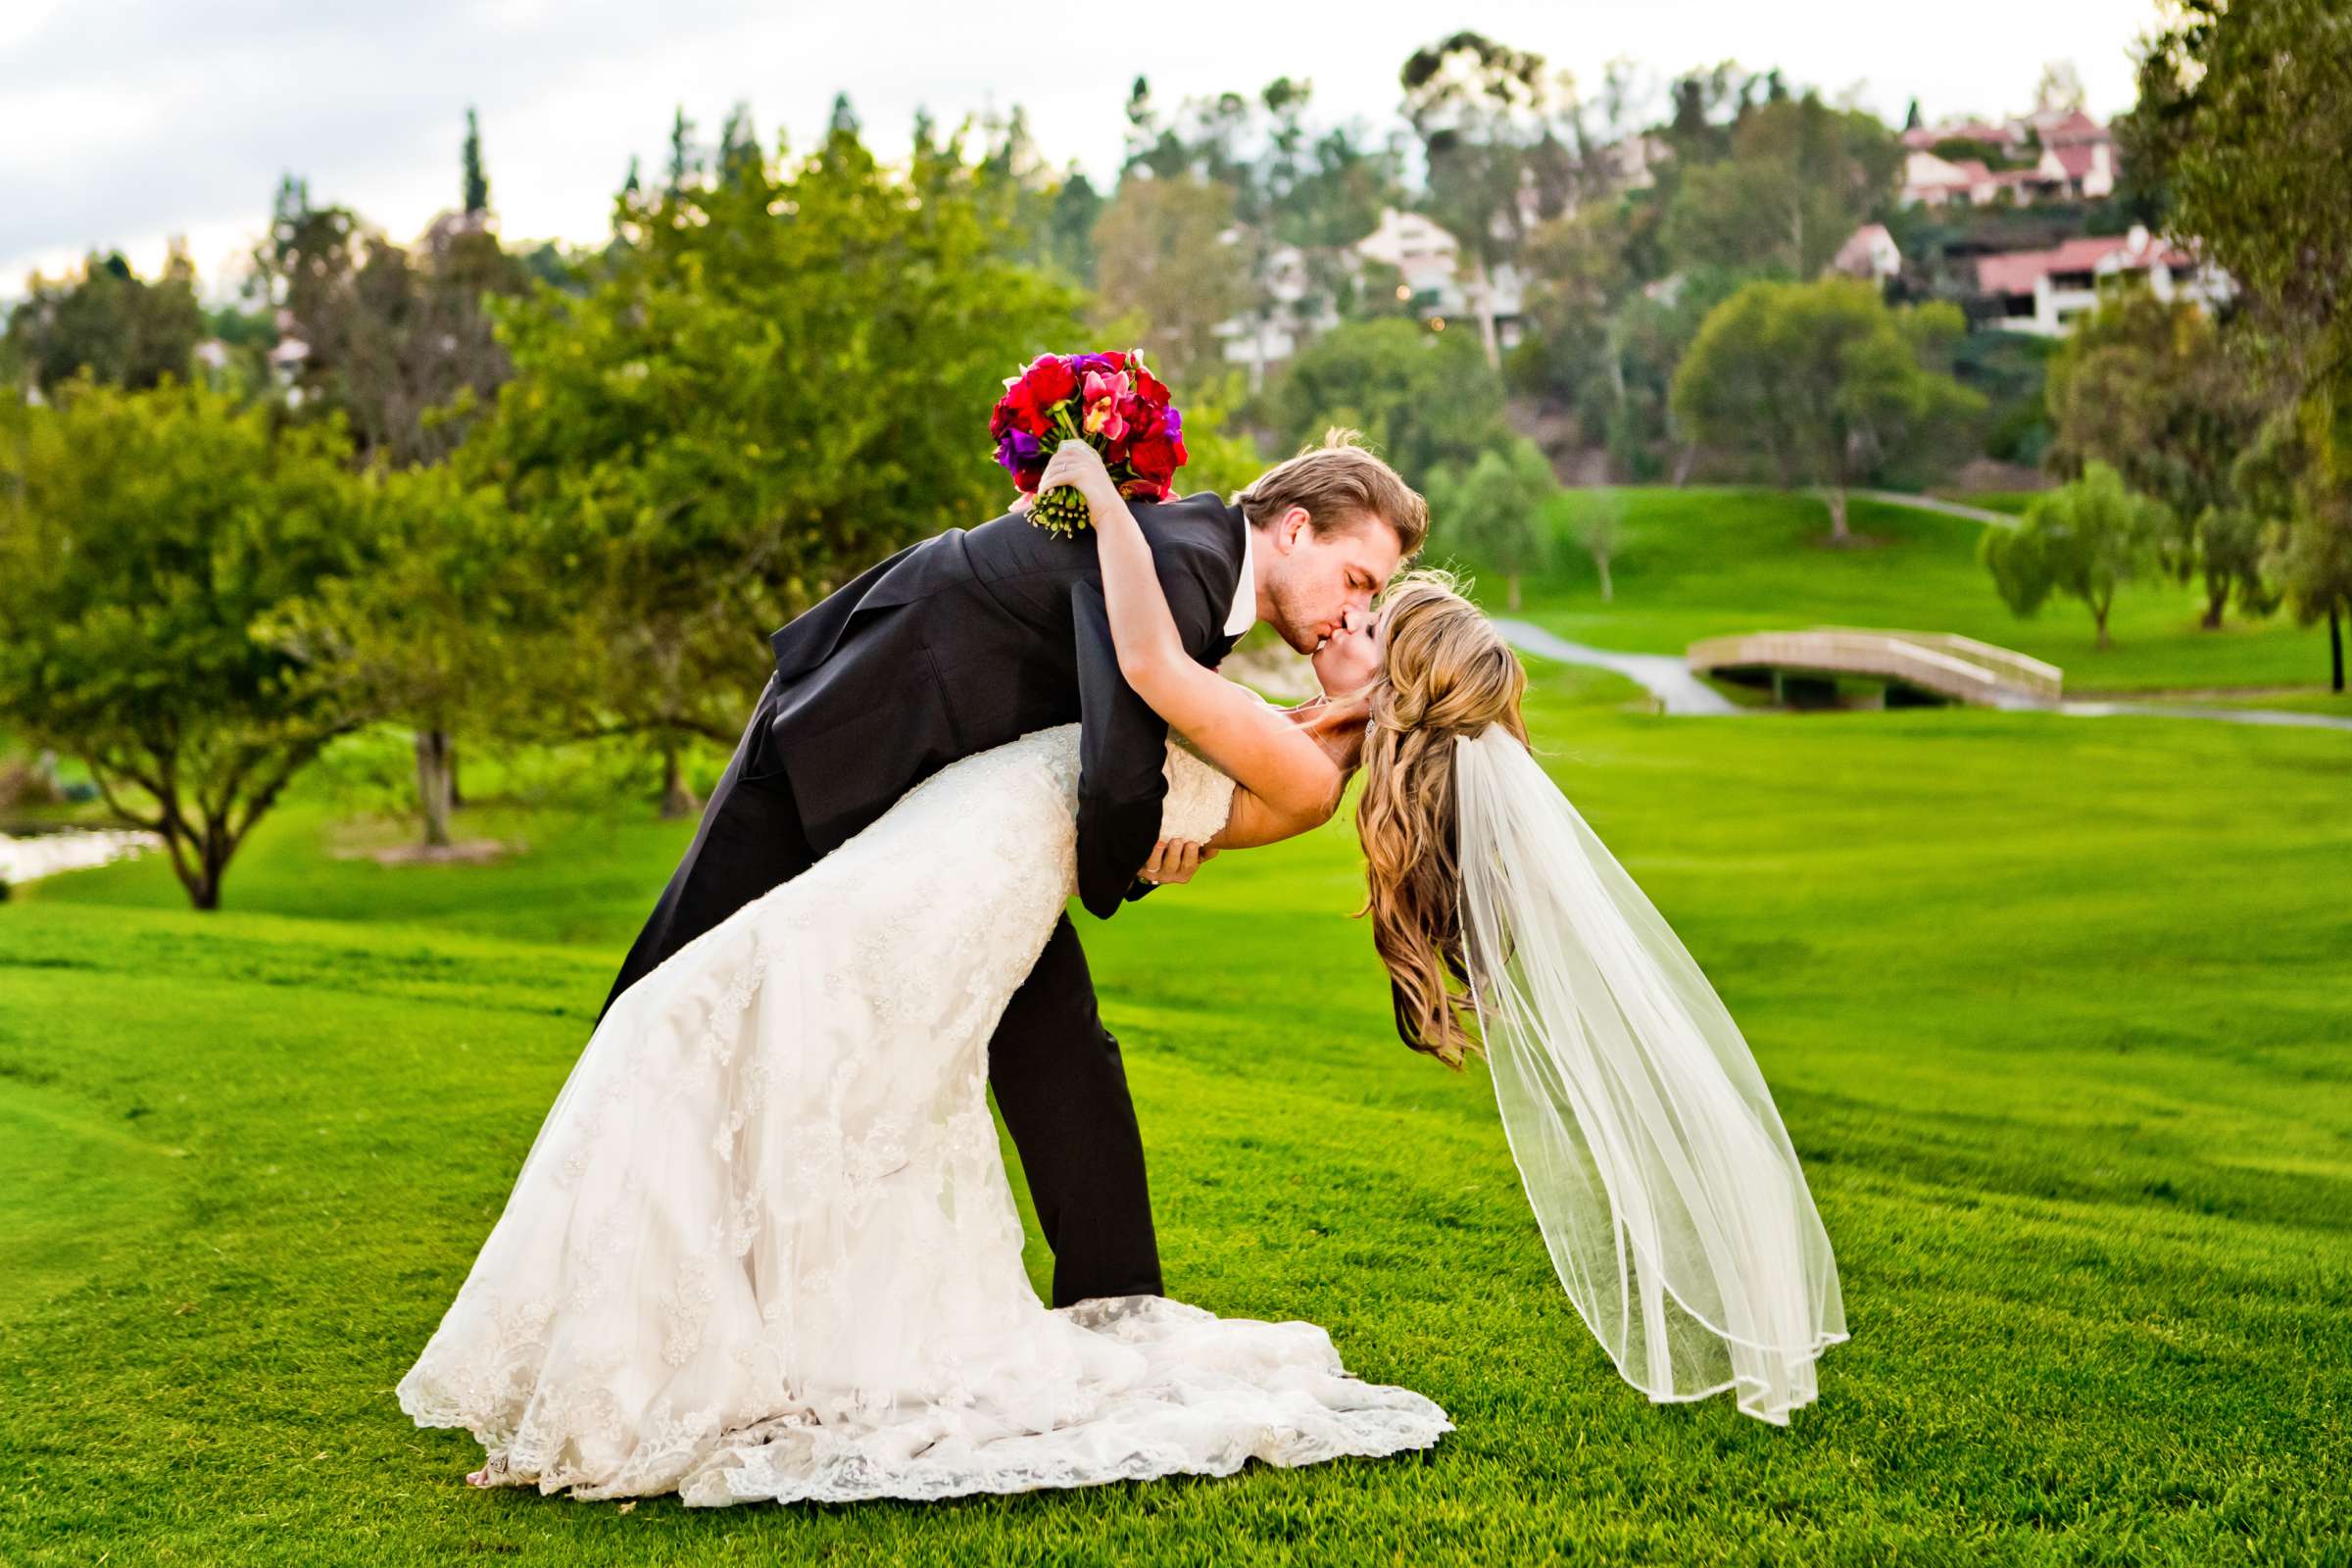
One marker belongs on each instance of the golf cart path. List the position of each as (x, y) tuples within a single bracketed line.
[(1678, 691)]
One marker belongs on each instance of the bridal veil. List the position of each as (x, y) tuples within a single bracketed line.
[(1671, 1203)]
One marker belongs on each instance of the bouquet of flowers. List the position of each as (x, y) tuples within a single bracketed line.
[(1108, 401)]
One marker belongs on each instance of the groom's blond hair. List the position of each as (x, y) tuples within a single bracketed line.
[(1342, 484)]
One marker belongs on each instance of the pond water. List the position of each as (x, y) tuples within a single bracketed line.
[(24, 857)]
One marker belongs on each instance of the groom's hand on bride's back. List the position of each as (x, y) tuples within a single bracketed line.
[(1174, 860)]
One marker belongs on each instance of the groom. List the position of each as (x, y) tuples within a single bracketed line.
[(969, 640)]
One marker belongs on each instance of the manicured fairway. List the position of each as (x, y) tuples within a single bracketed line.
[(1701, 562), (2056, 1012)]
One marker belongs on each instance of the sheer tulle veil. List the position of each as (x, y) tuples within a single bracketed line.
[(1668, 1193)]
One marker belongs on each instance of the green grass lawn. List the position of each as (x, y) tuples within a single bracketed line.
[(2056, 1011), (1702, 563)]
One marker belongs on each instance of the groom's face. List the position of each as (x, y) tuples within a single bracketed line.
[(1315, 580)]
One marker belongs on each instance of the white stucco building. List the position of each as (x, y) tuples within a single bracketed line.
[(2042, 292)]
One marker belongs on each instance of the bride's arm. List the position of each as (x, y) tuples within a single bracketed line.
[(1292, 783)]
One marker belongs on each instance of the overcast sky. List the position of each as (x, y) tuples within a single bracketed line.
[(124, 122)]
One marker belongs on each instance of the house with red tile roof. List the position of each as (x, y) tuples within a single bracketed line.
[(2077, 162), (1932, 181), (2043, 292)]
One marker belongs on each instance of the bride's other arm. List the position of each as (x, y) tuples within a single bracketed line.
[(1288, 783)]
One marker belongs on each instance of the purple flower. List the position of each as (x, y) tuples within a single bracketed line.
[(1020, 450)]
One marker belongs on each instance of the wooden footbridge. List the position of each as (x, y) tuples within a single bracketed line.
[(1916, 669)]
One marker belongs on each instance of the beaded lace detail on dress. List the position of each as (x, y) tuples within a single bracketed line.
[(764, 1246)]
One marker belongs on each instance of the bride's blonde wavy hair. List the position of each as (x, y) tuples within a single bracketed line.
[(1446, 672)]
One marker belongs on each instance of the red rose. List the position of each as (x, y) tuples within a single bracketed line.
[(1150, 386), (1026, 412), (1154, 456), (1050, 380)]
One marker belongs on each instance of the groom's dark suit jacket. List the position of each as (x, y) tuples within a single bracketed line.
[(968, 639), (959, 643)]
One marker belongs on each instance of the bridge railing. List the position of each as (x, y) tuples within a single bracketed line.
[(1954, 666), (2022, 670)]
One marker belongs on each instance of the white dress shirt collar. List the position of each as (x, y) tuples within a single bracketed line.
[(1243, 613)]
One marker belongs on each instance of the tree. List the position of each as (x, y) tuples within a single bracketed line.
[(1822, 382), (2307, 544), (778, 381), (2245, 120), (1494, 512), (403, 349), (685, 163), (739, 153), (106, 321), (1163, 264), (2148, 386), (842, 122), (2059, 89), (477, 181), (1801, 177), (1504, 142), (1600, 530), (399, 342), (145, 537), (2084, 540), (455, 629), (1422, 398)]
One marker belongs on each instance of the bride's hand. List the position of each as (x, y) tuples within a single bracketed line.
[(1076, 464), (1174, 860)]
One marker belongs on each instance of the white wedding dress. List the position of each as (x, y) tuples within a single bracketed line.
[(764, 1246)]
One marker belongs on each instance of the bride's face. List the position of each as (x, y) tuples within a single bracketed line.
[(1350, 656)]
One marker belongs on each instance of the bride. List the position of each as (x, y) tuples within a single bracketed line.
[(764, 1246)]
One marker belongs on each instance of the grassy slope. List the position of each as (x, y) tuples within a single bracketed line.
[(2053, 1011), (1701, 562)]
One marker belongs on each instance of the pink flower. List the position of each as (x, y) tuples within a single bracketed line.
[(1104, 394)]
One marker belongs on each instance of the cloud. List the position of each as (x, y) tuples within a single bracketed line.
[(151, 117)]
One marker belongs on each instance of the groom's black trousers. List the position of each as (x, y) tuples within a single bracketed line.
[(1054, 1067)]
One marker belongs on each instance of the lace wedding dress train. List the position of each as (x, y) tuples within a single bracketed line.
[(764, 1246)]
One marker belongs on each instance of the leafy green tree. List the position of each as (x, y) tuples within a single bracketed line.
[(401, 347), (2084, 540), (1822, 382), (108, 321), (146, 540), (781, 380), (2245, 122), (1496, 124), (477, 178), (739, 153), (2307, 540), (1162, 264), (2148, 386), (1423, 398), (1494, 511), (1054, 210), (685, 161), (455, 630), (1801, 177), (1600, 532), (1601, 343)]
